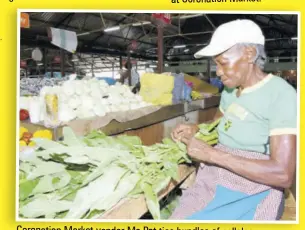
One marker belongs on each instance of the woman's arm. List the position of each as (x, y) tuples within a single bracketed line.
[(278, 171), (217, 115)]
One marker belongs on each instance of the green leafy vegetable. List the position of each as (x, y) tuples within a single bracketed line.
[(151, 201), (26, 188), (43, 206), (208, 132), (82, 177)]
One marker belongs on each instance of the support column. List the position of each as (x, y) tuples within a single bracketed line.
[(62, 62), (92, 66), (129, 69), (121, 63), (160, 49), (112, 69), (45, 63), (209, 68), (51, 65)]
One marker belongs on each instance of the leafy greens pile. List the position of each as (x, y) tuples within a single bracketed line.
[(208, 132), (83, 177)]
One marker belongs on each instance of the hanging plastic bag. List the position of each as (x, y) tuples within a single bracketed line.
[(157, 88), (187, 91), (178, 88)]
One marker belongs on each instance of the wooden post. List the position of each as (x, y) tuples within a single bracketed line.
[(121, 63), (51, 64), (45, 63), (62, 62), (92, 66), (112, 69), (209, 68), (160, 49), (129, 69)]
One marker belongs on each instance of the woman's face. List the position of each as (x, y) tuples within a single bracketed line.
[(232, 67)]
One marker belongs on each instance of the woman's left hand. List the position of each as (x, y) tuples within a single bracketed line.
[(197, 149)]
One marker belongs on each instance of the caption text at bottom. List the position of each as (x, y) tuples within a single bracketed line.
[(19, 227)]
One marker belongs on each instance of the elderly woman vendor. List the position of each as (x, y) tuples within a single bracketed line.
[(243, 177)]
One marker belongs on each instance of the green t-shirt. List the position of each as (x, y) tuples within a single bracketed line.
[(262, 110)]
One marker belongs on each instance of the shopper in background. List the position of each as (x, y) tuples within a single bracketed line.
[(244, 176), (135, 78)]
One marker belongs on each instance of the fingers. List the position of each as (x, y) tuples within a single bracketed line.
[(181, 131), (178, 132), (173, 136), (177, 137)]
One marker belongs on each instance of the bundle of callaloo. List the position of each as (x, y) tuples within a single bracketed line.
[(208, 132), (83, 177)]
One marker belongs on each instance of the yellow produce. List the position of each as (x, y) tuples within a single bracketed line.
[(43, 134), (22, 130), (196, 95), (22, 143)]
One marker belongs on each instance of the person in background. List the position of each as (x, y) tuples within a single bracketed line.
[(135, 78), (244, 176)]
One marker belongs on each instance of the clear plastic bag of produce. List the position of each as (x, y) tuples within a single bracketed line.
[(51, 110)]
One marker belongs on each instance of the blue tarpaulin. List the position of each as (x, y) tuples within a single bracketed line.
[(110, 81)]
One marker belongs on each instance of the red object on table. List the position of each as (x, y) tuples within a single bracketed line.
[(24, 114)]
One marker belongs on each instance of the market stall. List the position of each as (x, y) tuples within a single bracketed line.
[(151, 122), (151, 133)]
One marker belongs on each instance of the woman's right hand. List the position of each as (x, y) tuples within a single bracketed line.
[(184, 131)]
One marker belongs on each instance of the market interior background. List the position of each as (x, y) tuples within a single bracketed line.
[(107, 40)]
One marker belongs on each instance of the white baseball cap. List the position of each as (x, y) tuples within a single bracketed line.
[(231, 33)]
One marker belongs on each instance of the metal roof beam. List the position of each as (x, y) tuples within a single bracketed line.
[(270, 26), (278, 19), (95, 50), (50, 23), (116, 24), (209, 21), (69, 16)]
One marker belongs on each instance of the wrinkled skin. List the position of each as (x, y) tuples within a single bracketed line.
[(184, 131), (238, 70)]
